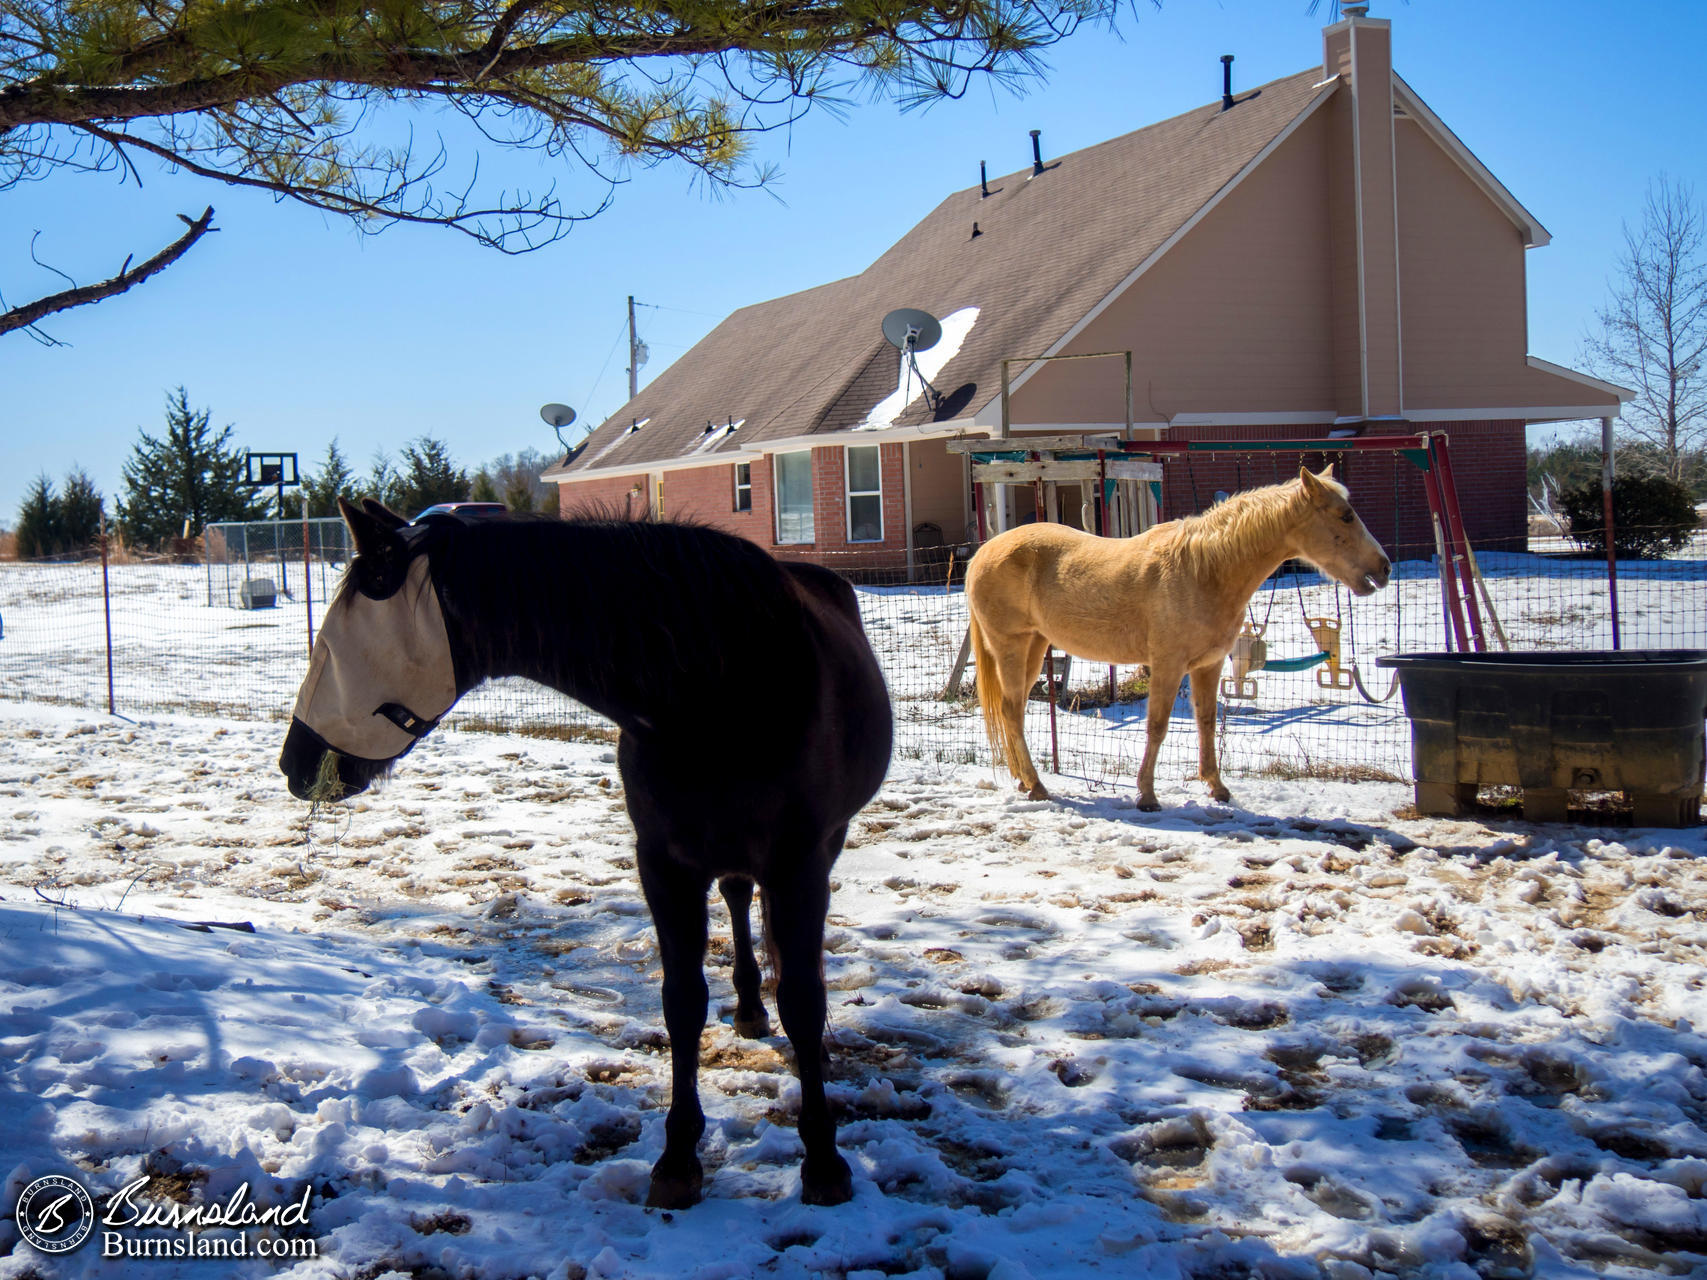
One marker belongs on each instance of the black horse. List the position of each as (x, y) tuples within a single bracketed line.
[(754, 725)]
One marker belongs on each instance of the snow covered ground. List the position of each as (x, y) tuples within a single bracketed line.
[(1294, 1036), (179, 648)]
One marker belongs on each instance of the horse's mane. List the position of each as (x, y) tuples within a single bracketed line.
[(1233, 531)]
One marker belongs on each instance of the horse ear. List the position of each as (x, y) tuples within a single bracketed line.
[(372, 536), (382, 513), (1326, 473)]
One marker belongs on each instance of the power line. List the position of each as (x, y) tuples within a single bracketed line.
[(679, 310), (588, 398)]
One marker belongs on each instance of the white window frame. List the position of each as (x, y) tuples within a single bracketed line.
[(741, 488), (849, 493), (776, 491)]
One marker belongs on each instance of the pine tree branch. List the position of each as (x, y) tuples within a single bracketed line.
[(128, 277)]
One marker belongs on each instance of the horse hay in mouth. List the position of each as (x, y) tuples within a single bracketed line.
[(327, 788)]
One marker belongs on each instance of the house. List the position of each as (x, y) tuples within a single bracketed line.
[(1320, 254)]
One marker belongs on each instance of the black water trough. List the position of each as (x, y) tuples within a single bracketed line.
[(1555, 722)]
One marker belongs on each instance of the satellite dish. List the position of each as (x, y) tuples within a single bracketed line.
[(912, 329), (558, 416)]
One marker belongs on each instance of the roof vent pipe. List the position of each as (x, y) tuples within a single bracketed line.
[(1226, 81), (984, 180), (1036, 153)]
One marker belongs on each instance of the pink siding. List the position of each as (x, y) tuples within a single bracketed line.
[(1234, 318)]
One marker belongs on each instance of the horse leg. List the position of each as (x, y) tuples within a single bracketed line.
[(1019, 671), (751, 1020), (1205, 681), (794, 914), (677, 899), (1164, 688)]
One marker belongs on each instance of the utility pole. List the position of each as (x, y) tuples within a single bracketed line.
[(633, 353)]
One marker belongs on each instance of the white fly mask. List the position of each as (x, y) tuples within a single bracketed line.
[(381, 673)]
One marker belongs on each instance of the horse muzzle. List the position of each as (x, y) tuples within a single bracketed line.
[(300, 759), (1374, 580)]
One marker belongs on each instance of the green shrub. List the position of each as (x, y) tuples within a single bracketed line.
[(1650, 516)]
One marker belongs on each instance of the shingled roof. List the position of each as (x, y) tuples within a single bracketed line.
[(1049, 249)]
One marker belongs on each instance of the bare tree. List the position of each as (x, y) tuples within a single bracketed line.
[(1653, 331), (311, 99)]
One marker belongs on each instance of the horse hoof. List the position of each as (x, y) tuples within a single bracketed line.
[(753, 1028), (1038, 792), (1221, 795), (831, 1187), (675, 1190), (1149, 806)]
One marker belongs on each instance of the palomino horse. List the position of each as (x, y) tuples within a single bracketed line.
[(754, 725), (1171, 597)]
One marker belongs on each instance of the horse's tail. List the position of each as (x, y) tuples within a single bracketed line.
[(989, 690)]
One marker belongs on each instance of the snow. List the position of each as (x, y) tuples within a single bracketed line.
[(1299, 1036), (618, 438), (932, 361), (716, 435)]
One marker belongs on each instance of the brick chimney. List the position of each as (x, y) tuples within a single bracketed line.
[(1369, 373)]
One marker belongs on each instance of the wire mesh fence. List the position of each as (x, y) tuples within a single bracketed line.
[(177, 646), (252, 560)]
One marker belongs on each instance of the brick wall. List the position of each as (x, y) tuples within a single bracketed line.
[(615, 494), (1489, 463), (707, 495), (830, 514)]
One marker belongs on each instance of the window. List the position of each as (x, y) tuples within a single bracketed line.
[(794, 497), (865, 495), (743, 486)]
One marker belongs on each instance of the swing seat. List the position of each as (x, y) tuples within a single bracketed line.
[(1242, 688), (1296, 664), (1250, 653)]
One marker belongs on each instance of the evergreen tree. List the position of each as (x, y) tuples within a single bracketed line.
[(484, 490), (80, 512), (266, 94), (428, 476), (519, 495), (190, 478), (38, 520), (1651, 516), (332, 481), (383, 483), (1560, 463)]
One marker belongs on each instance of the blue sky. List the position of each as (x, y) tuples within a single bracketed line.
[(296, 329)]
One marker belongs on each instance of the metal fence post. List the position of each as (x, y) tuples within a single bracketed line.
[(107, 609), (307, 579), (1606, 505)]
